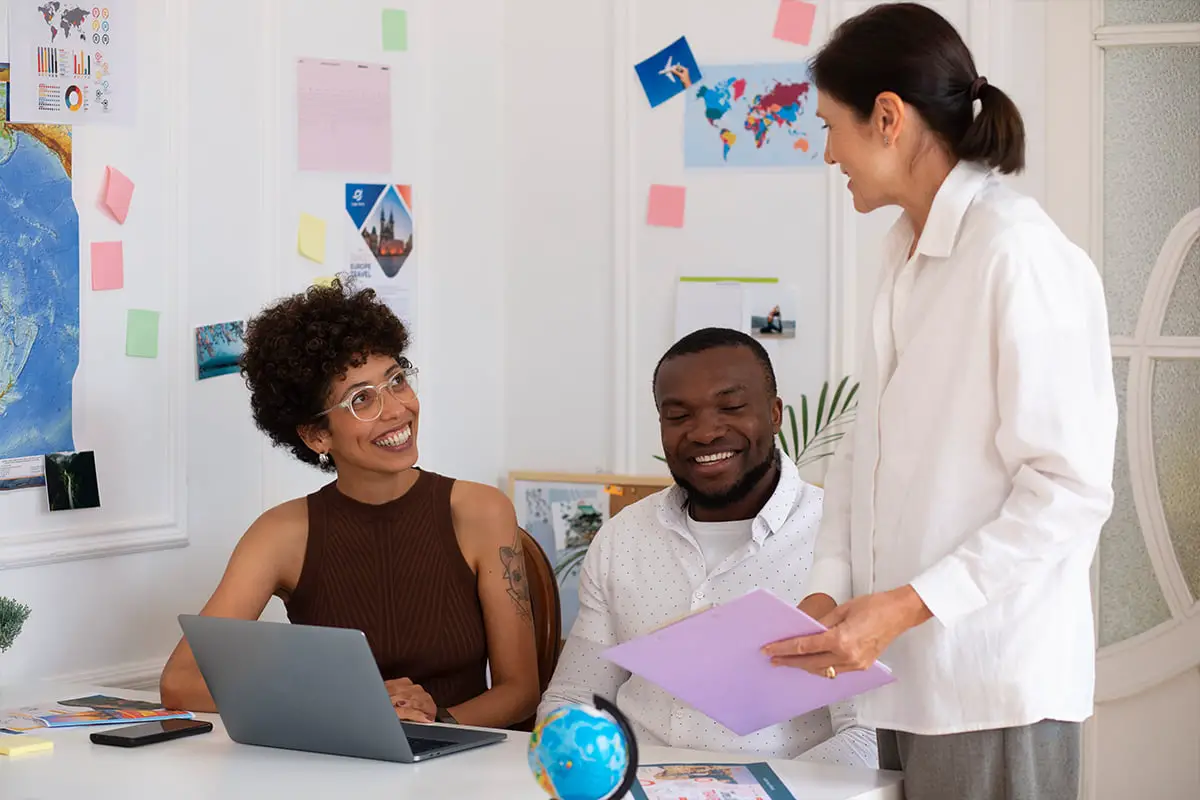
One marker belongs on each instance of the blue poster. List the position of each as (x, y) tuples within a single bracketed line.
[(753, 115), (39, 287), (668, 72), (382, 214)]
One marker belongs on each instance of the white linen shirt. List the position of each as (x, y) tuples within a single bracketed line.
[(979, 467), (644, 569)]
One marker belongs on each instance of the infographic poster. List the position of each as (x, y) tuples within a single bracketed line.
[(72, 63)]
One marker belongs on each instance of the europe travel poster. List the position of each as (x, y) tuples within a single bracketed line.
[(381, 249)]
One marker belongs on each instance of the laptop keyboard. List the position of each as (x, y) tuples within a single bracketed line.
[(419, 746)]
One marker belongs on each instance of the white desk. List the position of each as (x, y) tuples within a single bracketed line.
[(212, 766)]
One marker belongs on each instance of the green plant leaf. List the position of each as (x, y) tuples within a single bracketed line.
[(795, 433), (821, 407), (837, 396), (804, 417), (825, 438), (849, 397), (660, 458), (783, 444)]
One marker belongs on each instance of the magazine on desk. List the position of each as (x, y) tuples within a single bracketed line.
[(96, 709), (709, 782)]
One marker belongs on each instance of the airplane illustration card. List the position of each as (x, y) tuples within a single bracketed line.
[(668, 72)]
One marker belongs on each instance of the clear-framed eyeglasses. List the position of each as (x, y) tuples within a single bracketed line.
[(366, 402)]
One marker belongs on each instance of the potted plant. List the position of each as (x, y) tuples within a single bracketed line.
[(12, 619), (828, 424)]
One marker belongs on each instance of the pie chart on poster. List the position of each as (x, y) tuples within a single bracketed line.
[(74, 98)]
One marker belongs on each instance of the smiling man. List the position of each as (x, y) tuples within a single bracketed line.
[(738, 518)]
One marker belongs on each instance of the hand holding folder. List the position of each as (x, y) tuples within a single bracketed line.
[(713, 661)]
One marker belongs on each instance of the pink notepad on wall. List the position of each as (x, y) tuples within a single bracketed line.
[(713, 661)]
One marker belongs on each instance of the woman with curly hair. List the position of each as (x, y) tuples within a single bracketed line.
[(429, 568)]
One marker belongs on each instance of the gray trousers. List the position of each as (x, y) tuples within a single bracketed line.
[(1034, 762)]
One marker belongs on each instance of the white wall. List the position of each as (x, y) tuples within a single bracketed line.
[(558, 202), (114, 618)]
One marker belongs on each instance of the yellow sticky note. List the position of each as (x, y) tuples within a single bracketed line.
[(23, 745), (312, 238), (325, 281)]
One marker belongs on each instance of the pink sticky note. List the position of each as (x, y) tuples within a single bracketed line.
[(666, 206), (344, 116), (108, 266), (795, 21), (118, 191)]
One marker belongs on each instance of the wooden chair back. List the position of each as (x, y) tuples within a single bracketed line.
[(547, 613)]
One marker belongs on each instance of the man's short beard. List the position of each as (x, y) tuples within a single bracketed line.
[(734, 494)]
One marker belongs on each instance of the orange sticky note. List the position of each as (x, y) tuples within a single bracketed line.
[(615, 490), (108, 266), (666, 206), (794, 22), (118, 192)]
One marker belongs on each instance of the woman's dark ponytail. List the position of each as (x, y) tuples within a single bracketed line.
[(997, 134), (911, 50)]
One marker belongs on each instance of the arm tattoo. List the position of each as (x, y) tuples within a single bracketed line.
[(513, 559)]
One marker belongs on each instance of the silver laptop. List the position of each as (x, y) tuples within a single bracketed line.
[(316, 689)]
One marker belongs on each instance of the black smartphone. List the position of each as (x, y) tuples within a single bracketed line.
[(151, 732)]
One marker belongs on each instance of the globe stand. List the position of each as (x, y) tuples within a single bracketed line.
[(630, 742)]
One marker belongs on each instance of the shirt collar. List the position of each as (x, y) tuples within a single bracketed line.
[(949, 207), (672, 509)]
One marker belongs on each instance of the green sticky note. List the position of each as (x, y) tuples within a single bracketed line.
[(141, 333), (395, 29), (312, 238)]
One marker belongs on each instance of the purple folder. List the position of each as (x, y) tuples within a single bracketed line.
[(713, 661)]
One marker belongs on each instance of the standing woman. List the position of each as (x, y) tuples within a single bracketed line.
[(962, 512)]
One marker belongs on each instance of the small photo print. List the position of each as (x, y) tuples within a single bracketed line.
[(71, 481), (219, 349), (773, 323)]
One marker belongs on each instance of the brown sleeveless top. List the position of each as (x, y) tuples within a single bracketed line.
[(395, 572)]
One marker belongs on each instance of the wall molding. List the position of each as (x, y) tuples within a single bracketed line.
[(624, 409), (1147, 35), (166, 530)]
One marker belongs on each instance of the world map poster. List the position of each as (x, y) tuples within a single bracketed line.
[(39, 286), (753, 115)]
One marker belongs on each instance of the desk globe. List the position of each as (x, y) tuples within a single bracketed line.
[(581, 752)]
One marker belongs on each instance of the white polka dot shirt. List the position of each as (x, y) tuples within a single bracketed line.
[(644, 569)]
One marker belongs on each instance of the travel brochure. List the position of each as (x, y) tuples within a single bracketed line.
[(709, 782), (93, 710)]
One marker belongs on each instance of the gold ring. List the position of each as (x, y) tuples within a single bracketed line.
[(830, 673)]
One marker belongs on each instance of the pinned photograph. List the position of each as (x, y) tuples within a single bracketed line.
[(668, 72), (772, 312), (71, 481), (219, 349)]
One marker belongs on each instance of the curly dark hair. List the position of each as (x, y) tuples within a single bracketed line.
[(297, 347)]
